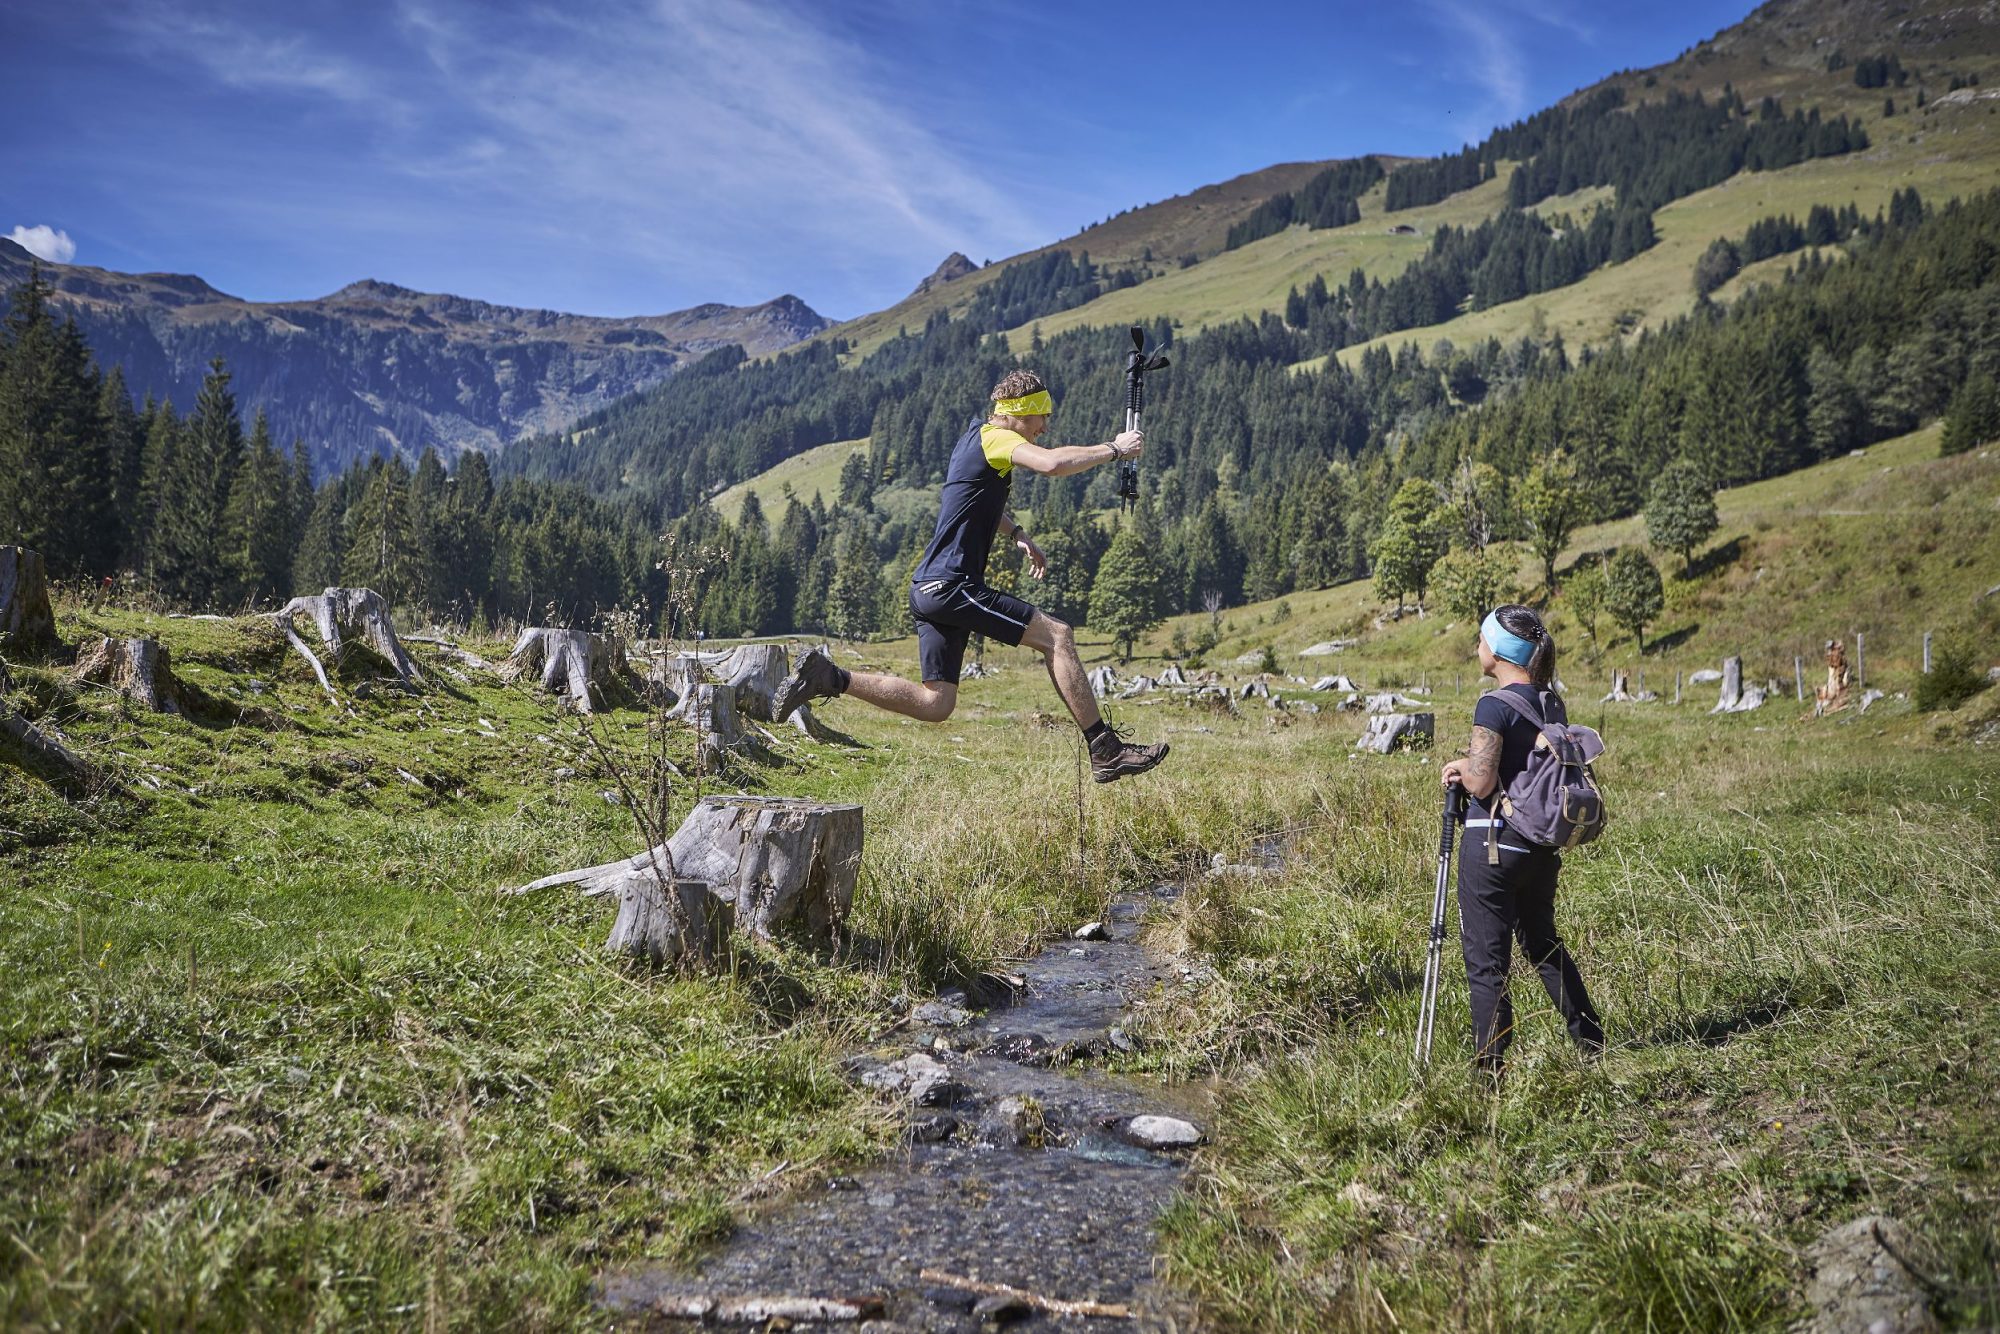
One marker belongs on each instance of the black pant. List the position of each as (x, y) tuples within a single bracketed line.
[(1497, 903)]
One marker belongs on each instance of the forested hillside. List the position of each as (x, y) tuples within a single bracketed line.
[(378, 369)]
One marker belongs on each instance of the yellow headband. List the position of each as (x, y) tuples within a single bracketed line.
[(1037, 404)]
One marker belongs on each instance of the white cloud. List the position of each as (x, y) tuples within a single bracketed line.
[(711, 136), (46, 242), (1491, 61)]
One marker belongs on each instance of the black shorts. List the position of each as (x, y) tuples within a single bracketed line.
[(951, 610)]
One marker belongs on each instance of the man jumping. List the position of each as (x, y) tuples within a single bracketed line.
[(949, 597)]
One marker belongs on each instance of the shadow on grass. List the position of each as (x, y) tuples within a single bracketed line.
[(1668, 642), (1714, 559), (1714, 1027)]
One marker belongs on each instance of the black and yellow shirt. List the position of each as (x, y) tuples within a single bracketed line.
[(976, 484)]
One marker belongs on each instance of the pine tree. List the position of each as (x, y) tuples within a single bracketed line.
[(1834, 414), (1124, 597), (1633, 593), (156, 463), (257, 520), (321, 549), (125, 436), (853, 599), (187, 540), (1680, 510), (384, 550), (56, 473), (1974, 416)]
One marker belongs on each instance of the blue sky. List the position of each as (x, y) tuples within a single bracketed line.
[(642, 157)]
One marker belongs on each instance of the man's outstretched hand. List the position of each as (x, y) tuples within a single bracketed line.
[(1038, 564)]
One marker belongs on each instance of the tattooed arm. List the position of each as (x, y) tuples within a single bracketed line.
[(1479, 771)]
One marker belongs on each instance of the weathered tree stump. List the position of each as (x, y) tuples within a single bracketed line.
[(1735, 698), (1340, 683), (347, 618), (27, 621), (753, 673), (1173, 675), (1139, 685), (683, 920), (1390, 702), (785, 866), (1102, 681), (1833, 696), (570, 662), (710, 710), (1388, 730), (139, 669)]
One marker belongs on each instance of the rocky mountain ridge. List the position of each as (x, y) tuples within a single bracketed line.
[(374, 367)]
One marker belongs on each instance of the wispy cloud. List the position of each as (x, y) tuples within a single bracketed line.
[(238, 55), (1487, 57), (719, 142), (685, 130), (45, 242)]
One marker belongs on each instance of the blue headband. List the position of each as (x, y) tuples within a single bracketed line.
[(1504, 642)]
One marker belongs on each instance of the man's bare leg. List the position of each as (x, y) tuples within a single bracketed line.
[(931, 702), (1057, 645)]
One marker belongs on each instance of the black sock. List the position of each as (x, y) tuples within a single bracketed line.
[(841, 679), (1094, 731)]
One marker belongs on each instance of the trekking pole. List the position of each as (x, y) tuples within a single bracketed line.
[(1454, 808), (1136, 366)]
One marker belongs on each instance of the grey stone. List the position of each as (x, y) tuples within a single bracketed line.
[(952, 1299), (1856, 1286), (1160, 1132), (933, 1129), (931, 1084), (1023, 1049), (1091, 931), (940, 1014), (1121, 1040)]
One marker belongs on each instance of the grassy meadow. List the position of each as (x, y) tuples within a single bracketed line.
[(277, 1050)]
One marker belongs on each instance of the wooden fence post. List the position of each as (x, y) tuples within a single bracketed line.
[(1799, 676), (1860, 663), (1927, 653)]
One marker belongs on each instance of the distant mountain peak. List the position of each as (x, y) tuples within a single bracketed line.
[(955, 266)]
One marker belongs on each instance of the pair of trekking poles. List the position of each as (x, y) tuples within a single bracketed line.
[(1454, 811)]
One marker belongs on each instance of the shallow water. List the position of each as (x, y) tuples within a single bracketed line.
[(1072, 1219)]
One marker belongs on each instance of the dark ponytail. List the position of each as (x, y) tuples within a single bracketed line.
[(1522, 621)]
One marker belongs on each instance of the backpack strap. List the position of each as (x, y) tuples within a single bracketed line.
[(1551, 731)]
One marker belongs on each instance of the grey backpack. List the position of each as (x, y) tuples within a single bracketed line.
[(1554, 800)]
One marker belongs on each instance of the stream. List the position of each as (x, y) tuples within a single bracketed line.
[(1019, 1166)]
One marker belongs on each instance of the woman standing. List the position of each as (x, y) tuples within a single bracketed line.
[(1507, 885)]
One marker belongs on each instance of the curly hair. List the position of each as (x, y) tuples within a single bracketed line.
[(1014, 384)]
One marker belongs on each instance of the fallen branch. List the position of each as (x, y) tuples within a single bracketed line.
[(763, 1310), (1053, 1305)]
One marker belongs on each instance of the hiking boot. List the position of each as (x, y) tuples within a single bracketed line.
[(814, 676), (1111, 757)]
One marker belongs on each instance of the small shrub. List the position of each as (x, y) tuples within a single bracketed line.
[(1269, 662), (1954, 677)]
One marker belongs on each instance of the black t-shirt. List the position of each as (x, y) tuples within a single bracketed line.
[(1517, 734), (975, 496)]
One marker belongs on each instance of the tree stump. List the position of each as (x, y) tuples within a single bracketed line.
[(1833, 696), (570, 662), (27, 621), (1173, 675), (343, 616), (711, 710), (753, 673), (1735, 698), (1622, 693), (1388, 730), (1102, 681), (682, 921), (785, 866), (139, 669)]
